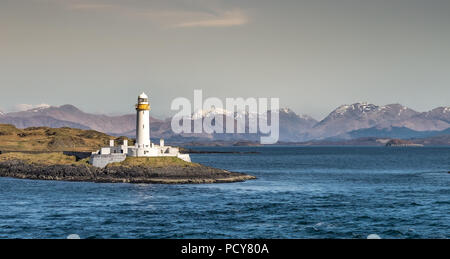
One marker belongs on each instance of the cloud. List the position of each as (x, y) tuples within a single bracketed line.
[(225, 19), (172, 16)]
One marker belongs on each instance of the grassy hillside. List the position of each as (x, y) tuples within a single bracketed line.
[(51, 158), (50, 139)]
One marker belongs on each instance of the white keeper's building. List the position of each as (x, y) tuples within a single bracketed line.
[(143, 147)]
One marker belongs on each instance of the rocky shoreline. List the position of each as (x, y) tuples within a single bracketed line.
[(120, 174)]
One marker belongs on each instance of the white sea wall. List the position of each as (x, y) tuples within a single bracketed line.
[(184, 157), (101, 161)]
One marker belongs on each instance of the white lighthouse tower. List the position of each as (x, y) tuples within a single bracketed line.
[(143, 122), (142, 147)]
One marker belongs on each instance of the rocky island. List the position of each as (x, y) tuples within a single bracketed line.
[(402, 143), (37, 153)]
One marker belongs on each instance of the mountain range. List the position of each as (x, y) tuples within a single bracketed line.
[(346, 122)]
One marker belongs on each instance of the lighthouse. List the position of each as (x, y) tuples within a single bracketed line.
[(142, 146), (143, 122)]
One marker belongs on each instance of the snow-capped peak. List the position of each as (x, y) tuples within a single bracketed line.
[(360, 106), (394, 107), (342, 109), (289, 111), (285, 110), (2, 113), (439, 110), (211, 112), (446, 109), (223, 112), (40, 107), (366, 107), (31, 107)]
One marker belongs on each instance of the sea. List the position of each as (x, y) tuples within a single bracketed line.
[(300, 192)]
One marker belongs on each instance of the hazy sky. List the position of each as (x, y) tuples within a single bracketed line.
[(314, 55)]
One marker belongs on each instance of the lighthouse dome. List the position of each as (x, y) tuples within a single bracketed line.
[(143, 95), (143, 98)]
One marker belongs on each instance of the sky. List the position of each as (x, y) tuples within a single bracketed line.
[(312, 54)]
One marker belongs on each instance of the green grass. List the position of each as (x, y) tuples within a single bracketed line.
[(8, 130), (49, 139), (53, 158), (58, 158), (153, 162)]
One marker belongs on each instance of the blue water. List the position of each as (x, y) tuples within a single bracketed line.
[(301, 192)]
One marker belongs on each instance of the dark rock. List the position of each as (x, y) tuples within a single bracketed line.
[(77, 155), (137, 174)]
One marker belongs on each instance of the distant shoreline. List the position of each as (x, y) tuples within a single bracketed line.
[(370, 141)]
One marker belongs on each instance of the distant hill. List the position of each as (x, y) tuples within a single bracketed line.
[(351, 121), (391, 132), (40, 121), (441, 140), (294, 127), (350, 118), (71, 116), (51, 139)]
